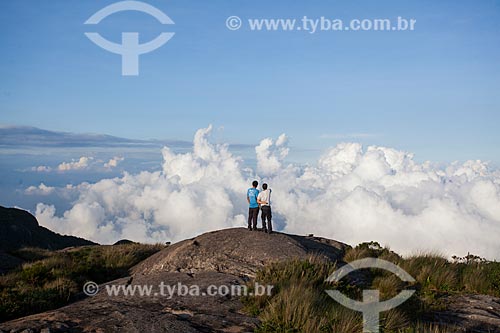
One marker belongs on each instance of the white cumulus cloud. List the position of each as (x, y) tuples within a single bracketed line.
[(41, 168), (82, 163), (113, 163), (41, 189), (270, 154)]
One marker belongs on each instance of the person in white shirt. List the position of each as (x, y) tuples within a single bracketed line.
[(264, 200)]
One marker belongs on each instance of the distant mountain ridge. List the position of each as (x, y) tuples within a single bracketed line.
[(27, 136), (18, 228)]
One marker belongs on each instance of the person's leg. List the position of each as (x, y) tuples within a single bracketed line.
[(263, 216), (250, 214), (255, 215), (269, 218)]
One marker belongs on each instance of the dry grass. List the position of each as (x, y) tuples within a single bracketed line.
[(301, 305), (52, 279), (356, 254), (292, 310), (478, 277), (420, 327), (388, 285), (431, 269), (301, 308), (394, 320)]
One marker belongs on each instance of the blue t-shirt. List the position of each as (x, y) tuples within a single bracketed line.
[(252, 194)]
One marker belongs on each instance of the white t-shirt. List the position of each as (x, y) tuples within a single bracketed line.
[(265, 195)]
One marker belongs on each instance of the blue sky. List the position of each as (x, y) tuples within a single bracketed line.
[(432, 91)]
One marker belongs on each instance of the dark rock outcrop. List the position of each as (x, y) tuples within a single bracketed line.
[(124, 242), (18, 228)]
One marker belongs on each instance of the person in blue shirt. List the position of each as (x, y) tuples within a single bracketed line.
[(253, 210)]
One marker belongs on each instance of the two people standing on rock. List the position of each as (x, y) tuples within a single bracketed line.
[(259, 200)]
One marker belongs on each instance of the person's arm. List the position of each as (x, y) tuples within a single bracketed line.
[(248, 199), (261, 202)]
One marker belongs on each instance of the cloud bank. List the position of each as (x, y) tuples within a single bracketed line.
[(83, 163), (352, 194)]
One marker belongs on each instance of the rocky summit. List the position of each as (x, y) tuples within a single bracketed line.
[(237, 251)]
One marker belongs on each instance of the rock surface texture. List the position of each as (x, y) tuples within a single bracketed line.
[(472, 313)]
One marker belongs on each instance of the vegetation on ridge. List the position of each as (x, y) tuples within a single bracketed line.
[(51, 279), (299, 302)]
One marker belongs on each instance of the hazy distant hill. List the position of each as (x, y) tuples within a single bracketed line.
[(26, 136)]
